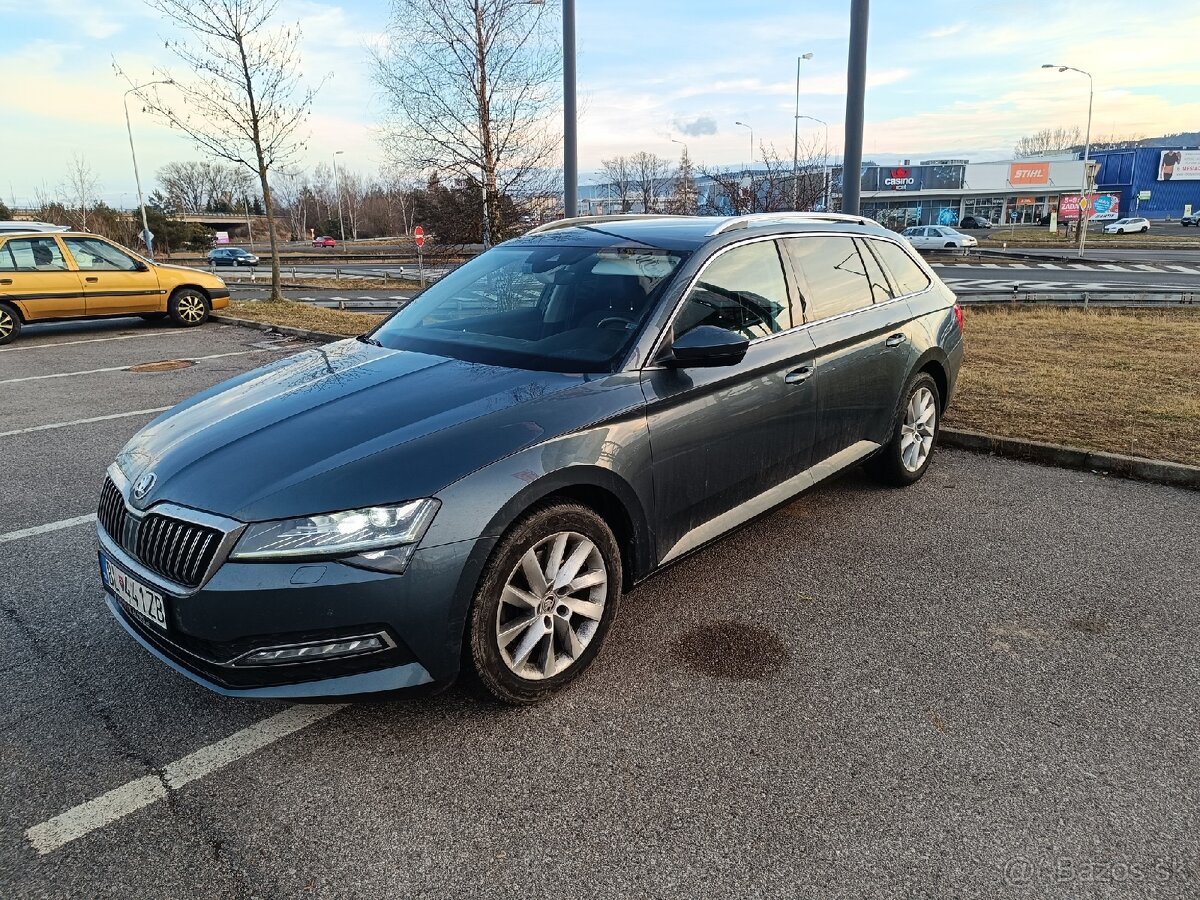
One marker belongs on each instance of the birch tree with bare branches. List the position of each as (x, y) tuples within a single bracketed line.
[(471, 85), (244, 100)]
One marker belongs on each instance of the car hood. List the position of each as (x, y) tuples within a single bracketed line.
[(345, 426), (191, 270)]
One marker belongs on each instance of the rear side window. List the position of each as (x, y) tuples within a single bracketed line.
[(880, 289), (834, 272), (908, 277), (742, 290), (40, 254)]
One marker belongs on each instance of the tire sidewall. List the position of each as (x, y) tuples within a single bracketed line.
[(173, 307), (483, 653), (888, 464), (8, 310)]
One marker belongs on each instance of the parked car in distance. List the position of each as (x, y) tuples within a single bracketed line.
[(15, 225), (74, 275), (325, 241), (938, 237), (478, 479), (231, 256), (975, 222), (1127, 226), (1193, 219)]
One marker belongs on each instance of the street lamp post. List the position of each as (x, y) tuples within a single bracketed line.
[(744, 125), (338, 192), (1087, 145), (137, 179), (824, 162), (796, 137)]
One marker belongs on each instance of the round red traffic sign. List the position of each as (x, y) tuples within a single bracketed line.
[(419, 234)]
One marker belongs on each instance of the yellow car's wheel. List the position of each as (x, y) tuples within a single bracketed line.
[(10, 323), (189, 307)]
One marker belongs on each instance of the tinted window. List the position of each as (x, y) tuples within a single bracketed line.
[(742, 290), (32, 255), (906, 274), (554, 307), (834, 274), (95, 255), (880, 289)]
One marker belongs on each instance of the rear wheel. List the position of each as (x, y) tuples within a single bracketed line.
[(907, 455), (189, 307), (1145, 228), (544, 604), (10, 323)]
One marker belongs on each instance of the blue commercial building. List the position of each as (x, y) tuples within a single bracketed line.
[(1169, 175)]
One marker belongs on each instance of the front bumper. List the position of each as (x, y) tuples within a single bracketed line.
[(248, 606)]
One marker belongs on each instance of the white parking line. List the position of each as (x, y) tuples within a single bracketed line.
[(109, 807), (122, 415), (42, 529), (123, 337), (122, 368)]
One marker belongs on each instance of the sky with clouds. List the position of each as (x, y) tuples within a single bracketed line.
[(946, 77)]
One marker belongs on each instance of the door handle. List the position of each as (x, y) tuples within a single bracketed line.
[(91, 279), (895, 340), (798, 376), (5, 281)]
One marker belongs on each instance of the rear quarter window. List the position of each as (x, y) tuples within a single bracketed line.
[(833, 273), (908, 277)]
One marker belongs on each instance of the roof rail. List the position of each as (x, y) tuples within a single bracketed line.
[(596, 220), (747, 221)]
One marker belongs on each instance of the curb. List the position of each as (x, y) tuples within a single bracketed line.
[(322, 336), (1157, 471)]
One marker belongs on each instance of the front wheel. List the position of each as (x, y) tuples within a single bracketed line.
[(904, 459), (544, 604), (188, 307), (10, 323)]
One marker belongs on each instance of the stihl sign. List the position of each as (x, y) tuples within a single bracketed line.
[(1029, 173), (901, 179)]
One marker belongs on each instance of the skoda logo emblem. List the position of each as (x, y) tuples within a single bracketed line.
[(142, 486)]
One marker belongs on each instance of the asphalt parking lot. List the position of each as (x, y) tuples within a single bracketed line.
[(985, 685)]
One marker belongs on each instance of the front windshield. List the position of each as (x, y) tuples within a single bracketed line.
[(559, 308)]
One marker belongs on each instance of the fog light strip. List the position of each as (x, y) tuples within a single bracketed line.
[(141, 792)]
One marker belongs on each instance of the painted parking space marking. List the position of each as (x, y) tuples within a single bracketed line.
[(43, 529), (122, 337), (123, 368), (53, 425), (120, 802)]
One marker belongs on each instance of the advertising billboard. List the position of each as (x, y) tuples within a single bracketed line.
[(1029, 173), (1179, 165), (913, 178), (1103, 206)]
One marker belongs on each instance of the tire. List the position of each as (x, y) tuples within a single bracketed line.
[(1145, 228), (951, 245), (10, 323), (897, 464), (189, 307), (513, 625)]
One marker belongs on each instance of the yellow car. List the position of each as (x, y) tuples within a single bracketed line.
[(72, 275)]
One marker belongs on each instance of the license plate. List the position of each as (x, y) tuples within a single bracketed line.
[(134, 595)]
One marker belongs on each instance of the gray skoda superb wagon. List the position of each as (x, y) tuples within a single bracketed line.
[(475, 482)]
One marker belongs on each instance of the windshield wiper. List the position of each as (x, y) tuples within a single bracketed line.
[(369, 340)]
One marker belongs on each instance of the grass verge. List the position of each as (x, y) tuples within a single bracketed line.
[(1124, 381)]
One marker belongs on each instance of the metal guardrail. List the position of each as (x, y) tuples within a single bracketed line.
[(1143, 298)]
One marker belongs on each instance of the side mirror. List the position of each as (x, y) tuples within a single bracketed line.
[(707, 345), (142, 267)]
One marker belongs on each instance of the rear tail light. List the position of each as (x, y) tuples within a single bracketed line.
[(958, 315)]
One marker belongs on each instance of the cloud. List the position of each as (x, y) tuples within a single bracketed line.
[(946, 30), (697, 127)]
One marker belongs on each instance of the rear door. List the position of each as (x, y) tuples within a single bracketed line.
[(113, 281), (36, 277)]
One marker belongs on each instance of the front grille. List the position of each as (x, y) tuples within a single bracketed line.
[(178, 550), (112, 513)]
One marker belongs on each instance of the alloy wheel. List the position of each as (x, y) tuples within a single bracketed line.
[(191, 308), (6, 324), (551, 606), (918, 429)]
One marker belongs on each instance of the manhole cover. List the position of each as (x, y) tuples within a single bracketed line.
[(732, 650), (163, 365)]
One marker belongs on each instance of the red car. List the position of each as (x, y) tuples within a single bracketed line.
[(324, 242)]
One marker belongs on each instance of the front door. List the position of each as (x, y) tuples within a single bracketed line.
[(113, 281), (35, 277), (726, 441)]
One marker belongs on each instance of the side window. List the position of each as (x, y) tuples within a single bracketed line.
[(34, 255), (7, 262), (906, 274), (880, 289), (835, 273), (742, 290), (93, 255)]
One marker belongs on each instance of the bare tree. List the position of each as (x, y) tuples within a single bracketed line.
[(245, 102), (618, 175), (288, 189), (772, 188), (1048, 140), (78, 191), (198, 186), (470, 85), (651, 178)]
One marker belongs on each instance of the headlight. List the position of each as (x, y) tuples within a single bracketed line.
[(381, 537)]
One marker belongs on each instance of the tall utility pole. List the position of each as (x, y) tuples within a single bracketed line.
[(137, 179), (570, 136), (337, 190), (1084, 206), (856, 90), (744, 125), (796, 138)]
